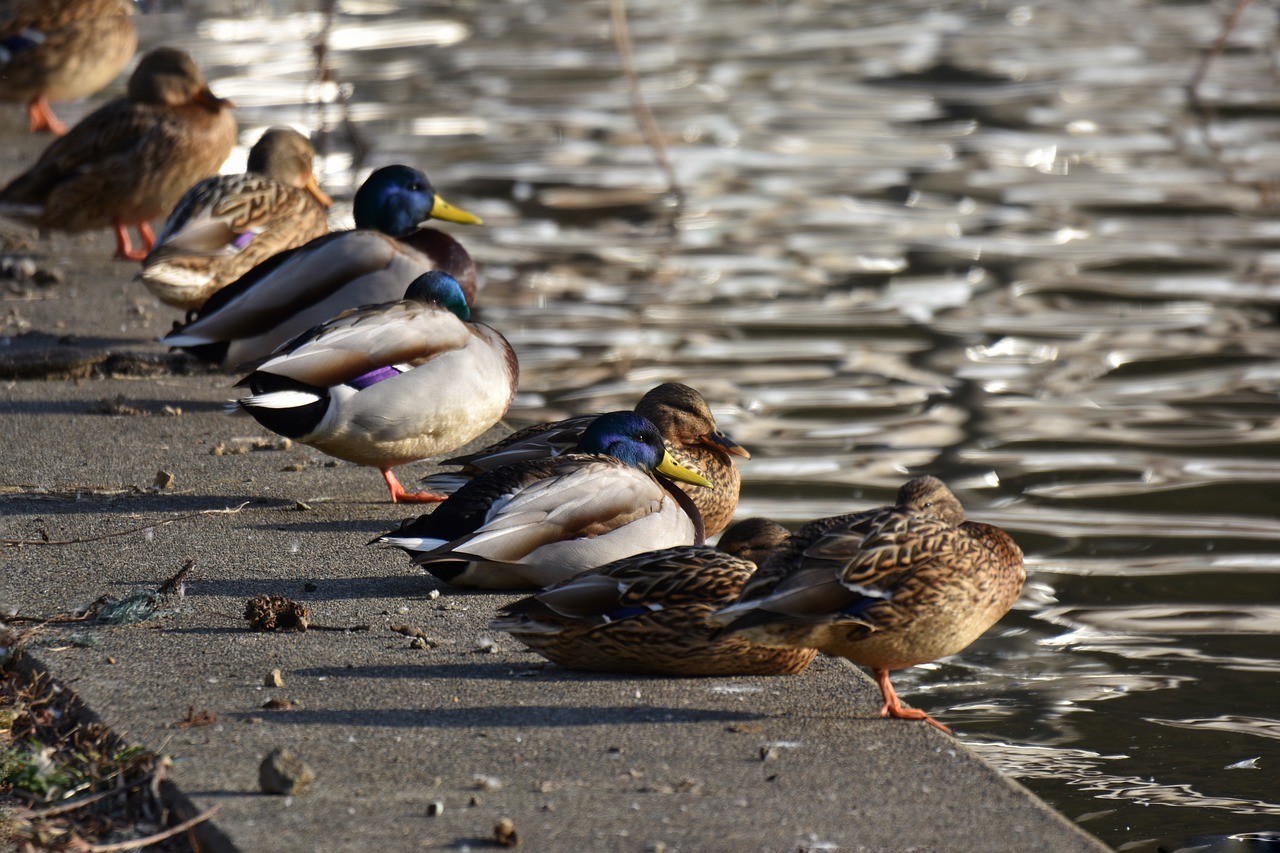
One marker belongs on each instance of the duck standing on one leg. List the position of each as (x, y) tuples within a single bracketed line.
[(129, 161), (688, 430), (290, 292), (388, 384), (226, 225), (59, 50), (536, 522), (887, 589)]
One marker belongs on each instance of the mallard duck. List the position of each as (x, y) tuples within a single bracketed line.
[(294, 290), (228, 224), (887, 589), (532, 523), (649, 614), (388, 384), (58, 50), (129, 161), (753, 539), (688, 430)]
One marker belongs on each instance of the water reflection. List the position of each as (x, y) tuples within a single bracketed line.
[(992, 242)]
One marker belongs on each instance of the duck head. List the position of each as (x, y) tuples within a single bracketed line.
[(632, 439), (442, 289), (398, 200)]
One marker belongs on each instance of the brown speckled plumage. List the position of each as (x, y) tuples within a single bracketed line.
[(887, 589), (129, 161), (226, 225), (65, 49), (648, 614)]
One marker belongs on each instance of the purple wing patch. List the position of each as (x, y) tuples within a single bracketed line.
[(373, 377)]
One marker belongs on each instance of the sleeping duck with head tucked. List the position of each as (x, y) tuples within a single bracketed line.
[(388, 384), (650, 613), (539, 521), (290, 292)]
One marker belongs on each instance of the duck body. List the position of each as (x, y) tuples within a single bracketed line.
[(648, 614), (536, 522), (59, 50), (297, 289), (228, 224), (887, 589), (388, 384), (129, 161), (688, 430)]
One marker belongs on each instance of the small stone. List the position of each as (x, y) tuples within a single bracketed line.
[(433, 595), (172, 411), (504, 832), (164, 480), (769, 753), (435, 808), (418, 643), (280, 704), (302, 506), (274, 678), (487, 783), (282, 772)]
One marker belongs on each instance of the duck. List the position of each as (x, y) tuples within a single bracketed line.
[(383, 385), (886, 589), (293, 290), (753, 539), (59, 50), (688, 430), (649, 614), (129, 161), (539, 521), (228, 224)]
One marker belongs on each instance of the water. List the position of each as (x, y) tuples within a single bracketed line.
[(995, 243)]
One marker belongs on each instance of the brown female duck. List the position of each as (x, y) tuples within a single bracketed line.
[(58, 50), (129, 161), (651, 613), (887, 589), (228, 224)]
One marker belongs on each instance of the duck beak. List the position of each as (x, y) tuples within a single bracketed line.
[(668, 467), (318, 194), (719, 441), (443, 210)]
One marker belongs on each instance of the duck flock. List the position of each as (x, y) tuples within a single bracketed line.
[(360, 343)]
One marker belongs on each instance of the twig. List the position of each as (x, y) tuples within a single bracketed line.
[(135, 843), (18, 543), (648, 125), (72, 805), (1205, 113)]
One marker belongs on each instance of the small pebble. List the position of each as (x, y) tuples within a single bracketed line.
[(275, 678), (504, 832), (282, 772), (435, 808)]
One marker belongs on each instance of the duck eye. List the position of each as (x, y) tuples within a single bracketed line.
[(415, 187)]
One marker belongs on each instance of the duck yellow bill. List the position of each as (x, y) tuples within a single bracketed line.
[(318, 194), (670, 468), (443, 210)]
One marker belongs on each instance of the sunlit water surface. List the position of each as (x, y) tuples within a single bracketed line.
[(996, 245)]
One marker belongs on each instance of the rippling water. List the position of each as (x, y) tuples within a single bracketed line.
[(996, 244)]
